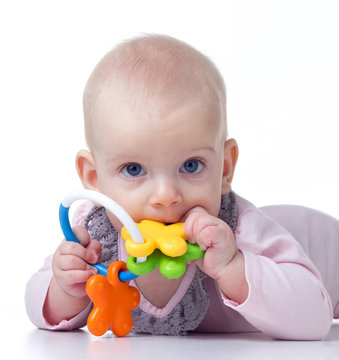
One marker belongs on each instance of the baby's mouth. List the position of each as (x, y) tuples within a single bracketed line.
[(170, 220)]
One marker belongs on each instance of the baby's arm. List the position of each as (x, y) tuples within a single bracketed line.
[(223, 261), (47, 306), (66, 295), (286, 298)]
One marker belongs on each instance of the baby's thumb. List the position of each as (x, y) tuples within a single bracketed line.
[(82, 235)]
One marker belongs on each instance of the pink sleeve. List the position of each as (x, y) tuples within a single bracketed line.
[(287, 299), (37, 288), (81, 212)]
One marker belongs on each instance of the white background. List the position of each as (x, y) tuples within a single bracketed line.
[(280, 63)]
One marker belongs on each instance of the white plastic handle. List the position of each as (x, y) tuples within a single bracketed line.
[(113, 207)]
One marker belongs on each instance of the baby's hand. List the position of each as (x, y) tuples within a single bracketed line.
[(70, 262), (213, 236)]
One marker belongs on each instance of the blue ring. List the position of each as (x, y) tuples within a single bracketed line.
[(69, 236)]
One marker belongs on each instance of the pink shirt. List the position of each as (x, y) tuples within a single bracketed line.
[(287, 297)]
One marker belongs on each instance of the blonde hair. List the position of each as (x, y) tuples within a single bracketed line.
[(153, 70)]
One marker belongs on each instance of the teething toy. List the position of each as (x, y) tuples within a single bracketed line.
[(113, 301), (170, 267), (114, 208), (170, 239), (113, 297)]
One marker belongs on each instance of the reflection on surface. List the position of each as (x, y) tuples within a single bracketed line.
[(80, 344)]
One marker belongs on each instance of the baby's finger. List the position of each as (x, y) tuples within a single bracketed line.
[(75, 249), (72, 277), (190, 226), (71, 262), (82, 235), (95, 246), (194, 210)]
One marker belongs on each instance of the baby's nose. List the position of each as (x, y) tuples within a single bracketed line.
[(165, 193)]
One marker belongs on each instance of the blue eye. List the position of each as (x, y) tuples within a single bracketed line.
[(192, 166), (132, 170)]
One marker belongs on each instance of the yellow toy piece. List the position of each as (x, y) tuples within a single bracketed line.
[(169, 239)]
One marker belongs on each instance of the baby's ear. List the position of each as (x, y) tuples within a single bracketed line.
[(230, 160), (85, 165)]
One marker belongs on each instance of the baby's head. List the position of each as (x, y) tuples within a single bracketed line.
[(155, 124)]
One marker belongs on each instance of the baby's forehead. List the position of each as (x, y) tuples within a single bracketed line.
[(118, 117), (119, 120), (130, 135)]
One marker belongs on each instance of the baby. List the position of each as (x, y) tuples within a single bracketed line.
[(155, 124)]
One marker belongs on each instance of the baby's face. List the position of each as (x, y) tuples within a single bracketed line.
[(160, 166)]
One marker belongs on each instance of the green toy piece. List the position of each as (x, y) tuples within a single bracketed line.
[(170, 267)]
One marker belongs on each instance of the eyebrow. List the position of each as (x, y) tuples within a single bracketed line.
[(208, 148), (134, 157)]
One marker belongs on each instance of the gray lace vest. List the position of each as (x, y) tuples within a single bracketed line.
[(192, 308)]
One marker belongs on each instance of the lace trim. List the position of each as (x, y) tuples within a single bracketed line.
[(185, 316), (100, 228)]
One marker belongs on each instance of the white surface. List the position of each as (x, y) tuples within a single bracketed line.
[(42, 344), (280, 62)]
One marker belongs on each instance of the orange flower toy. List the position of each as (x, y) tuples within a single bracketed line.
[(113, 301)]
